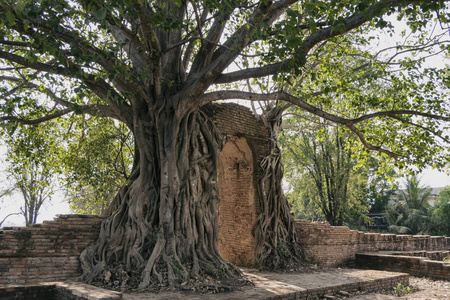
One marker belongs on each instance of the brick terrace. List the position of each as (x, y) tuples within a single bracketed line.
[(47, 251), (332, 246)]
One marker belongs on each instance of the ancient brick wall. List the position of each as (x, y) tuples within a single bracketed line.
[(237, 207), (239, 169), (239, 121), (336, 245), (433, 255), (47, 251)]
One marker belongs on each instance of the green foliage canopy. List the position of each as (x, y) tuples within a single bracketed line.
[(96, 163), (439, 223), (152, 64), (93, 57)]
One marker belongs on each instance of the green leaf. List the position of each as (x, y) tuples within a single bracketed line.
[(312, 25), (19, 8), (179, 3), (10, 17), (101, 13)]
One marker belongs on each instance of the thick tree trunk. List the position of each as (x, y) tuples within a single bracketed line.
[(163, 227), (276, 235)]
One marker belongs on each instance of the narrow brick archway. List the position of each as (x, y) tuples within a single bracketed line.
[(237, 208)]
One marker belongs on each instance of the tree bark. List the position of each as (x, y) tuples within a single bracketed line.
[(276, 236), (163, 226)]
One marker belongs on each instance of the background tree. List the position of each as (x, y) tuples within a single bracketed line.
[(412, 208), (90, 159), (6, 217), (439, 223), (96, 162), (152, 65), (321, 169), (396, 214), (32, 159), (381, 188)]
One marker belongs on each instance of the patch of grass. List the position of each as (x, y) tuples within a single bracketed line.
[(401, 290)]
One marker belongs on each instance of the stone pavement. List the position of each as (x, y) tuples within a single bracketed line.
[(313, 285)]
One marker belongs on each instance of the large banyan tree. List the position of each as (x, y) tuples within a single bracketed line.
[(153, 64)]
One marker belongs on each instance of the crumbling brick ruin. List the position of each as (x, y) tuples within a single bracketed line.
[(47, 251), (239, 168), (333, 246)]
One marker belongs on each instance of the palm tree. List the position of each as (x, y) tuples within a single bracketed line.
[(416, 196), (412, 209)]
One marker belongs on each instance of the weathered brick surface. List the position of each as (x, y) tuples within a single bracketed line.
[(236, 120), (414, 265), (47, 251), (336, 245), (25, 292), (239, 169), (363, 285), (237, 207), (433, 255)]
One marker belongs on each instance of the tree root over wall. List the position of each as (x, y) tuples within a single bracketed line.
[(164, 227)]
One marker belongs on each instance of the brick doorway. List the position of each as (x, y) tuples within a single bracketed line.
[(237, 207)]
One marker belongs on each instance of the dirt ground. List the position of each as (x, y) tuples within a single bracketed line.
[(420, 289), (268, 285)]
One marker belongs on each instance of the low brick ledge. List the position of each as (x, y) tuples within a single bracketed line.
[(371, 285), (74, 289), (84, 291), (396, 262)]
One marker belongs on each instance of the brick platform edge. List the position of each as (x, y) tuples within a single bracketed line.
[(47, 251), (78, 291), (332, 246), (414, 265), (373, 285), (56, 290)]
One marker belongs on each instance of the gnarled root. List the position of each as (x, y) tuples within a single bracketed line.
[(276, 237), (164, 225)]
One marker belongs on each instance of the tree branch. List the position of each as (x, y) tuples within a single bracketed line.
[(423, 128), (52, 69), (204, 55), (151, 42), (350, 23), (49, 117), (108, 62), (92, 109), (69, 37), (9, 215), (349, 123), (190, 48), (131, 44), (395, 113), (369, 146), (198, 83), (98, 86)]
